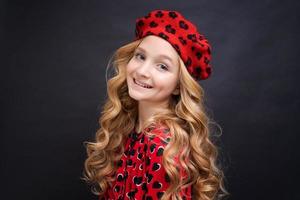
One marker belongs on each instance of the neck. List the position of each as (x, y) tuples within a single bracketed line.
[(146, 110)]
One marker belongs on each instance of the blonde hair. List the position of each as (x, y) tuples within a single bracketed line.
[(189, 128)]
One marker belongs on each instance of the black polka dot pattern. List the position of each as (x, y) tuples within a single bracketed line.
[(140, 173), (159, 14), (183, 35)]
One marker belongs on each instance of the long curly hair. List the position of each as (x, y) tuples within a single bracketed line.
[(186, 119)]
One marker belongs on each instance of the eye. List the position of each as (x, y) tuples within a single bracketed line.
[(137, 56), (164, 67)]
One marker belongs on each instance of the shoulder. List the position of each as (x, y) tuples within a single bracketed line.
[(156, 140), (159, 135), (158, 143)]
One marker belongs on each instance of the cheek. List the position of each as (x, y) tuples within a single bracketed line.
[(166, 83), (130, 67)]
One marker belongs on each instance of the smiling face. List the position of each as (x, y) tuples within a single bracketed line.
[(153, 71)]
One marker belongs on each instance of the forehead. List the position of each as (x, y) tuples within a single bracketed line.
[(158, 47)]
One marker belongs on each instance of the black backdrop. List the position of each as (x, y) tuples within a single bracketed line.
[(53, 84)]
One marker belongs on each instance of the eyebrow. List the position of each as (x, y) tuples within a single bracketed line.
[(161, 55)]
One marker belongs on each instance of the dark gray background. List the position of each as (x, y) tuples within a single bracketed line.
[(53, 84)]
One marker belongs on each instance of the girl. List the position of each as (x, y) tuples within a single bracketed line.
[(154, 140)]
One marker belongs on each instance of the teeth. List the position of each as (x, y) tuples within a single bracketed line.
[(141, 84)]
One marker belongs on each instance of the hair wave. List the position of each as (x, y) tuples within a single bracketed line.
[(188, 123)]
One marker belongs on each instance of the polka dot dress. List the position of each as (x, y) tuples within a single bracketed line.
[(140, 173)]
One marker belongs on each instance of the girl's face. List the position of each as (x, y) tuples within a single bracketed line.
[(153, 71)]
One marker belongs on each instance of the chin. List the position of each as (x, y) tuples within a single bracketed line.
[(135, 96)]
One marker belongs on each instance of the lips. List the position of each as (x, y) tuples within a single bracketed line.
[(144, 85)]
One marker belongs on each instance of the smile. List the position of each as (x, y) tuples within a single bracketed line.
[(141, 84)]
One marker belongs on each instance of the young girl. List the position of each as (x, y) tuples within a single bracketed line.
[(154, 140)]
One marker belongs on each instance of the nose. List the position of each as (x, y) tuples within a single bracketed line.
[(144, 70)]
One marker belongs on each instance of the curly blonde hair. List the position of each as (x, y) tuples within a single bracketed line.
[(186, 119)]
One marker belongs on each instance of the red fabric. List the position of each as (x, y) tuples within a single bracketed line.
[(193, 48), (141, 165)]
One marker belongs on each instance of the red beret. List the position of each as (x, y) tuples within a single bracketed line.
[(192, 47)]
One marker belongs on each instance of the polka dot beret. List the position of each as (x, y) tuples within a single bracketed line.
[(192, 47)]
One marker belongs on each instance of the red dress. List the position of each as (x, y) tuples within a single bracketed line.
[(140, 173)]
